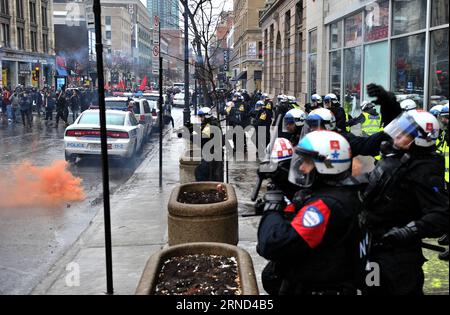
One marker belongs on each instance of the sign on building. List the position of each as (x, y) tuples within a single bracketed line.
[(251, 52)]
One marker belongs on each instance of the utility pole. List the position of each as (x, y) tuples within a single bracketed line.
[(187, 110), (104, 146)]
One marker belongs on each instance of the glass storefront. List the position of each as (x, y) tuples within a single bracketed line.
[(353, 30), (376, 23), (408, 16), (408, 66), (439, 12), (352, 78), (376, 65), (385, 42), (439, 84), (335, 72)]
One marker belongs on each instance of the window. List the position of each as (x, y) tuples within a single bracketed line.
[(439, 12), (4, 35), (44, 16), (376, 24), (260, 50), (45, 43), (33, 40), (313, 42), (4, 6), (299, 14), (353, 30), (108, 34), (352, 78), (312, 61), (376, 65), (20, 38), (107, 20), (336, 35), (439, 83), (33, 12), (408, 63), (335, 72), (287, 51), (19, 8), (408, 16)]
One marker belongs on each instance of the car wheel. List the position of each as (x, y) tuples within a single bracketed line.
[(69, 157)]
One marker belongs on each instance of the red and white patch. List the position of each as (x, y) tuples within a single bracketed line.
[(429, 127), (283, 145), (311, 222), (334, 145)]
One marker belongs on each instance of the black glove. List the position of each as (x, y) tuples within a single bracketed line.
[(403, 235), (274, 201), (301, 197), (374, 90)]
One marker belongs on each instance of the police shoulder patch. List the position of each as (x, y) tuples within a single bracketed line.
[(311, 222)]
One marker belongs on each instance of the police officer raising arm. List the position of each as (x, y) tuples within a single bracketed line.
[(312, 242), (405, 202)]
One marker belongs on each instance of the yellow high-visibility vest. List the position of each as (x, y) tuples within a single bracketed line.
[(371, 124)]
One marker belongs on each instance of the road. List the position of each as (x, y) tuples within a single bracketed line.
[(32, 239)]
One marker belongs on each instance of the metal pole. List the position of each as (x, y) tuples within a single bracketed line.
[(196, 92), (160, 108), (104, 148), (187, 110)]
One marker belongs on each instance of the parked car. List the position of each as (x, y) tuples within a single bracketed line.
[(143, 113), (82, 138), (178, 100)]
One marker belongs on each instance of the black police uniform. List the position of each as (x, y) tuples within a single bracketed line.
[(404, 187), (312, 245)]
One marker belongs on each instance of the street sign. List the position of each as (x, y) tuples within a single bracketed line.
[(155, 51), (89, 9), (156, 30)]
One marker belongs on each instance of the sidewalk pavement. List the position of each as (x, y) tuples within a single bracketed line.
[(139, 228)]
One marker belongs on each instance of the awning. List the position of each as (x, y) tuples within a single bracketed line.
[(241, 76), (61, 72), (257, 75)]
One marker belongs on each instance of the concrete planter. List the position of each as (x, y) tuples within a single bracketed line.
[(214, 222), (246, 272), (188, 163)]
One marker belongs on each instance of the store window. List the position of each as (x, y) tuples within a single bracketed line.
[(353, 30), (408, 16), (376, 65), (312, 62), (439, 84), (352, 79), (336, 35), (335, 72), (439, 12), (408, 66), (376, 24)]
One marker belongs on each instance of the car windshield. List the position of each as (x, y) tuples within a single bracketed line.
[(93, 118), (120, 105), (179, 96)]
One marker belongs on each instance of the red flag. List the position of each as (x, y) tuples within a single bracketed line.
[(143, 83), (121, 85)]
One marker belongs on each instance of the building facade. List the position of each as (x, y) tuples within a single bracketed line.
[(27, 50), (283, 25), (247, 59), (402, 45), (168, 12)]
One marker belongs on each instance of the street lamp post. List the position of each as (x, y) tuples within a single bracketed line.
[(186, 111)]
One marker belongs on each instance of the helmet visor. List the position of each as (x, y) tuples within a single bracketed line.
[(297, 176), (403, 130)]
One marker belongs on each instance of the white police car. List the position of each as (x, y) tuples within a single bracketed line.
[(82, 138)]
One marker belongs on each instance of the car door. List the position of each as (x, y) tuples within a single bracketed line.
[(148, 116), (139, 130)]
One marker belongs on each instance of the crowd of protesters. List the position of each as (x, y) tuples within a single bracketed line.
[(19, 105)]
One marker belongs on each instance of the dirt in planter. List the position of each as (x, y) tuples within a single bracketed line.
[(204, 196), (199, 275)]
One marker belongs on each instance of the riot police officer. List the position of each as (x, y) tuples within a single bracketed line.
[(331, 102), (312, 242), (405, 202), (293, 123), (208, 170), (369, 119), (316, 102)]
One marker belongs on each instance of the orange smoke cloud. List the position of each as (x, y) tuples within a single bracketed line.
[(39, 186)]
